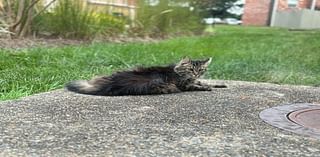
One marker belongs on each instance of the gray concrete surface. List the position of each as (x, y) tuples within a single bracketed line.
[(298, 19), (223, 122)]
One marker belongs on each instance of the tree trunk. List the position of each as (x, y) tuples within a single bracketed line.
[(8, 9), (17, 26), (25, 29), (24, 17), (1, 6)]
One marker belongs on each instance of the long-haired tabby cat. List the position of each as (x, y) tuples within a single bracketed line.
[(144, 81)]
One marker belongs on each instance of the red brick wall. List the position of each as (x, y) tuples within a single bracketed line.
[(283, 4), (304, 3), (318, 4), (307, 3), (256, 12)]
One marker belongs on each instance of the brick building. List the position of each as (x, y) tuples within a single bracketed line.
[(259, 12)]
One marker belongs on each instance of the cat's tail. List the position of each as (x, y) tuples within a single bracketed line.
[(83, 87)]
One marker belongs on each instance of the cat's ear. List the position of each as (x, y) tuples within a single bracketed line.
[(207, 62), (185, 60)]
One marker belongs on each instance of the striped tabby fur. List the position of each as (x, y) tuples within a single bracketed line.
[(146, 81)]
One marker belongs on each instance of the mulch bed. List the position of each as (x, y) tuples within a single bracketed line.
[(6, 43), (29, 43)]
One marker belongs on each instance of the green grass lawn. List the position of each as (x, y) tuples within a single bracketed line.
[(240, 53)]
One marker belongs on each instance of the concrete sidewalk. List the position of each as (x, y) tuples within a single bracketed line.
[(223, 122)]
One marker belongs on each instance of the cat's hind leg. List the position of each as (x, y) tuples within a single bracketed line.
[(160, 87)]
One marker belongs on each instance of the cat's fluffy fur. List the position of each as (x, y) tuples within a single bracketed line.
[(144, 81)]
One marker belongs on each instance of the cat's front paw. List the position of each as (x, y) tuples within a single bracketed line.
[(207, 88), (204, 88)]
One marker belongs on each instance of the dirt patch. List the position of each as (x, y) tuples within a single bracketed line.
[(6, 43), (29, 43)]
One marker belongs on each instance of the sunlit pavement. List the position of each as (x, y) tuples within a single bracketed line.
[(216, 123)]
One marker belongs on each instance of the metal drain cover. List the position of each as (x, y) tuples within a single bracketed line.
[(309, 118), (298, 118)]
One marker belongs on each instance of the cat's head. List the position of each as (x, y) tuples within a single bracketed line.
[(192, 68)]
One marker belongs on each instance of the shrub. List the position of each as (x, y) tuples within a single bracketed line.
[(71, 19), (163, 19), (109, 25), (17, 16)]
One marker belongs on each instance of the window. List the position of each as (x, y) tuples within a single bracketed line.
[(293, 3)]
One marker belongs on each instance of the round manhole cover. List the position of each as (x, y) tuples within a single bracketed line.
[(298, 118), (309, 118)]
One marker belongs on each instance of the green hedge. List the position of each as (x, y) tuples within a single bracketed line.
[(70, 19)]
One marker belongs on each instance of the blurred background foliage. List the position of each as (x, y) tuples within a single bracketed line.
[(73, 19)]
